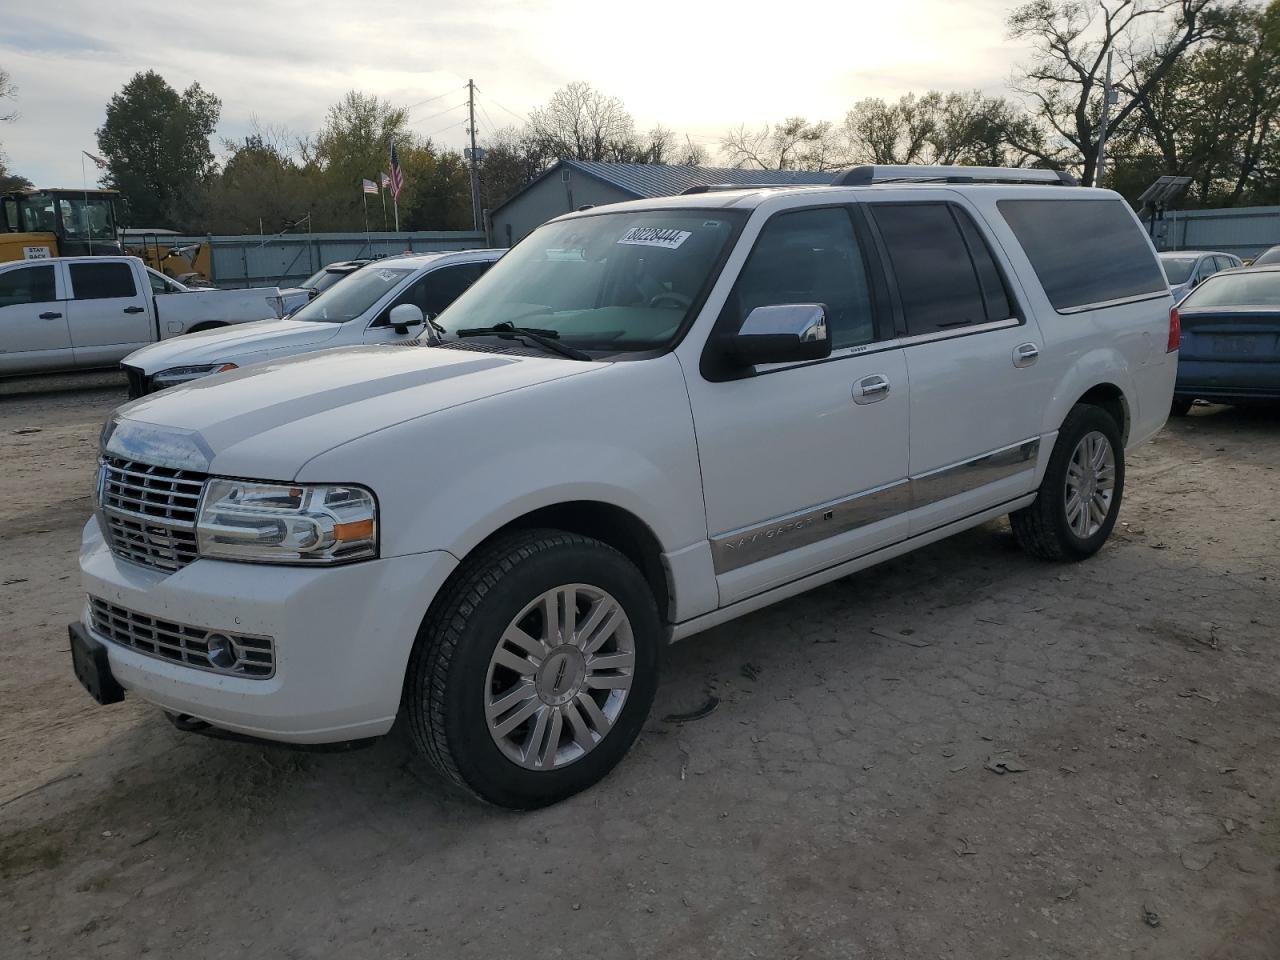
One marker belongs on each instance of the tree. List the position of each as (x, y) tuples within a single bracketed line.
[(581, 123), (8, 180), (156, 142), (261, 186), (1071, 41), (353, 145), (793, 144)]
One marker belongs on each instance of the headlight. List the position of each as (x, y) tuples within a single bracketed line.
[(286, 523), (176, 375)]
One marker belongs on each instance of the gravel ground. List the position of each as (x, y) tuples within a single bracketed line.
[(839, 802)]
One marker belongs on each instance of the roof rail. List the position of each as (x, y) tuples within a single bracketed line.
[(718, 187), (923, 173)]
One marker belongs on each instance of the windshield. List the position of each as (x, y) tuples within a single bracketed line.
[(1261, 289), (1177, 269), (614, 281), (1269, 256), (348, 300)]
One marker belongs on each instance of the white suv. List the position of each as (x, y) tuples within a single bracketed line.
[(645, 420)]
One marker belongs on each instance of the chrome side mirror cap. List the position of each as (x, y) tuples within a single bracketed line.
[(782, 333)]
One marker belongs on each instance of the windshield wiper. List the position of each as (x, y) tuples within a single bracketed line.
[(543, 338)]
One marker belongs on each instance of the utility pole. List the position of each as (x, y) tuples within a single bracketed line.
[(1108, 98), (473, 157)]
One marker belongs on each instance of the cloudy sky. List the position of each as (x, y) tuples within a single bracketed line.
[(697, 67)]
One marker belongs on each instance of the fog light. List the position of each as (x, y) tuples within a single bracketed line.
[(222, 652)]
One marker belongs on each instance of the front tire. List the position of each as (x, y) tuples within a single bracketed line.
[(1180, 407), (1079, 497), (535, 669)]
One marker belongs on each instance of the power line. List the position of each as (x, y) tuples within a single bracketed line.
[(421, 103), (522, 119), (440, 113), (493, 127), (455, 123)]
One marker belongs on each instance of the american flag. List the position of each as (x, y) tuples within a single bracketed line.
[(384, 179), (102, 164), (397, 176)]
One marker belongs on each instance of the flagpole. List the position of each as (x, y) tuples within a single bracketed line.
[(383, 197), (395, 202), (367, 242)]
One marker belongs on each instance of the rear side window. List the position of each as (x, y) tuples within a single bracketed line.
[(1084, 252), (101, 281), (27, 285), (947, 278)]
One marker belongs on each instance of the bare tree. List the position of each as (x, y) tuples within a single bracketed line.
[(7, 92), (1071, 40), (793, 144), (581, 123), (662, 145)]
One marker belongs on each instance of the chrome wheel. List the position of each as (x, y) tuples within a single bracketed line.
[(559, 677), (1090, 485)]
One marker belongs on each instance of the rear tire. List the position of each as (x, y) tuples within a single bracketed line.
[(500, 702), (1181, 406), (1079, 497)]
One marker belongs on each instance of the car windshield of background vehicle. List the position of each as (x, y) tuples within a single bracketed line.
[(1268, 256), (348, 300), (1177, 269), (615, 282), (1261, 289)]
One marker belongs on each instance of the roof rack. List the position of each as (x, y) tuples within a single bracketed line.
[(718, 187), (921, 173)]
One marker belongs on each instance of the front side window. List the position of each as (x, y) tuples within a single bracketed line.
[(615, 282), (102, 281), (945, 281), (439, 288), (1085, 253), (27, 285), (354, 296), (808, 256), (1178, 269)]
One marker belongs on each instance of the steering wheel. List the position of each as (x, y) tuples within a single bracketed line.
[(677, 299)]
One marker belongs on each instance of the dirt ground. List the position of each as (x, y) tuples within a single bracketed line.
[(838, 803)]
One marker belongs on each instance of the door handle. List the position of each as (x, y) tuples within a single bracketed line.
[(50, 315), (871, 389), (135, 310), (1025, 354)]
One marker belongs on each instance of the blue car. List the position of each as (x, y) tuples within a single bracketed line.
[(1230, 339)]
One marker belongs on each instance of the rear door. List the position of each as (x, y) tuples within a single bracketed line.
[(977, 400), (109, 315), (33, 321)]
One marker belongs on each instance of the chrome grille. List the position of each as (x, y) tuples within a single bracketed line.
[(253, 656), (150, 512)]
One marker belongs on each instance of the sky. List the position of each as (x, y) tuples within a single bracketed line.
[(697, 67)]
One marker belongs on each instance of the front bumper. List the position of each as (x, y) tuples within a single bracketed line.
[(342, 638)]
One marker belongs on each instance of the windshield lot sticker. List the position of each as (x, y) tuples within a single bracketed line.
[(386, 276), (664, 237)]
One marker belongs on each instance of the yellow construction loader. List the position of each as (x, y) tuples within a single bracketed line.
[(40, 223)]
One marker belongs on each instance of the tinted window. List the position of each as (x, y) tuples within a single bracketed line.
[(98, 281), (1084, 252), (443, 286), (937, 280), (27, 285), (995, 295), (809, 256), (1227, 263)]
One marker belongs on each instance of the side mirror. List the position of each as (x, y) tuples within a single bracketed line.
[(404, 316), (783, 333)]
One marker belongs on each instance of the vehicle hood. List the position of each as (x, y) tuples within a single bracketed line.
[(230, 344), (268, 420)]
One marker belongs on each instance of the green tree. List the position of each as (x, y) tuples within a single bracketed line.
[(261, 186), (354, 145), (156, 142)]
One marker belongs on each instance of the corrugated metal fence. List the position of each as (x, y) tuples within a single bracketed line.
[(254, 261), (1244, 231)]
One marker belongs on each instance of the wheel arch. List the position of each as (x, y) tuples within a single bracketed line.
[(208, 325), (1113, 400)]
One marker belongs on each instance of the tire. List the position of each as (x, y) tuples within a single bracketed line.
[(462, 671), (1180, 407), (1046, 529)]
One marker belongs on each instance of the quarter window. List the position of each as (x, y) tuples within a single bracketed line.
[(809, 256), (947, 278), (1085, 252), (102, 281), (27, 285)]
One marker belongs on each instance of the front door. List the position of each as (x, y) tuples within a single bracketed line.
[(804, 465), (33, 322), (977, 396), (108, 314)]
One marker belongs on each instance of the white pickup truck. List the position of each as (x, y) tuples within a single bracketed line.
[(76, 313)]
